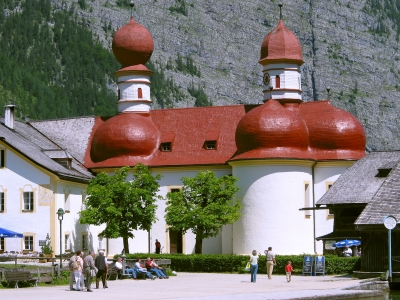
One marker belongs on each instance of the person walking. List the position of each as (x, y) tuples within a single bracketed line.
[(102, 267), (271, 262), (88, 265), (71, 271), (289, 270), (253, 265), (77, 266), (71, 262)]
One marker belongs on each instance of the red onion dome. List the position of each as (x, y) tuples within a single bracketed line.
[(333, 129), (132, 44), (281, 45), (271, 130), (128, 134)]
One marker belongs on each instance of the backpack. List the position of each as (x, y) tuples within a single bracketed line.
[(75, 264)]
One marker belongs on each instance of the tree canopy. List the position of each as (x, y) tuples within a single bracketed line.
[(203, 205), (120, 204)]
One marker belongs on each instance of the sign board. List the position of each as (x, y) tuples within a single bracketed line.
[(42, 242), (390, 222), (319, 265), (329, 244), (307, 265)]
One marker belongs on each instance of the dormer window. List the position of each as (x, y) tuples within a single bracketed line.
[(165, 147), (277, 82), (140, 94), (210, 145), (382, 173)]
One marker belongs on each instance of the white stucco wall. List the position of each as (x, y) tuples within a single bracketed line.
[(272, 194), (326, 173), (129, 99), (19, 175), (290, 81)]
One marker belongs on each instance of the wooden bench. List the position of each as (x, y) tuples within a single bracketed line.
[(114, 274), (19, 276)]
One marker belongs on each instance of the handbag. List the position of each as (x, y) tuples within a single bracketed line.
[(93, 272), (247, 266)]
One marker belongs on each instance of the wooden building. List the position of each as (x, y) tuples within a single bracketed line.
[(360, 199)]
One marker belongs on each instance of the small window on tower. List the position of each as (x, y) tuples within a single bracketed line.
[(278, 82), (139, 92), (119, 94), (210, 145), (166, 147)]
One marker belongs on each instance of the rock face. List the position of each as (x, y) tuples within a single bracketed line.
[(342, 49)]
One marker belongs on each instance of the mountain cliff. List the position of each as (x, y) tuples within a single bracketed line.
[(350, 46)]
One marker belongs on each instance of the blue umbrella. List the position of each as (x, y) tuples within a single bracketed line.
[(5, 233), (345, 243)]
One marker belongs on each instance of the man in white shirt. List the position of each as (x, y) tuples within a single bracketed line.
[(347, 252)]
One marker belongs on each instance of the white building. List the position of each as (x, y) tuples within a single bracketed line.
[(285, 153)]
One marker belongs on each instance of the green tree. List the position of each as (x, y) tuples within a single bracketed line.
[(203, 205), (120, 204)]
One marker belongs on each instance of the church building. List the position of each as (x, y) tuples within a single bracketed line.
[(286, 153)]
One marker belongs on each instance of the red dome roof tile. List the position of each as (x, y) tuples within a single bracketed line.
[(334, 133), (271, 130), (132, 44), (279, 45), (124, 135)]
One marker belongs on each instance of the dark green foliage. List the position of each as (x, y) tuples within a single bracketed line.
[(203, 205), (180, 7), (82, 4), (123, 3), (120, 204), (185, 65), (50, 65), (200, 96), (164, 91), (384, 9), (229, 263)]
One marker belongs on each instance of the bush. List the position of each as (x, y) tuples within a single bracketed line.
[(229, 263)]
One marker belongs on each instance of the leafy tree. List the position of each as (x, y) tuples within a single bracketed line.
[(200, 96), (122, 205), (203, 205)]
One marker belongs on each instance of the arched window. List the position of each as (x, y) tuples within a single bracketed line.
[(277, 82), (139, 93)]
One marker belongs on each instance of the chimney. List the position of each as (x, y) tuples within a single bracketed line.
[(9, 116)]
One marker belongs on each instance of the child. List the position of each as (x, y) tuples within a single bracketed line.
[(289, 270)]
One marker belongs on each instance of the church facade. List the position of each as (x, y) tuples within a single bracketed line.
[(285, 153)]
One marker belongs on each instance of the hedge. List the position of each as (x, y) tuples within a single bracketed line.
[(229, 263)]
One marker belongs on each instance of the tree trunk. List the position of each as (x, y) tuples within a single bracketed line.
[(126, 244), (198, 249)]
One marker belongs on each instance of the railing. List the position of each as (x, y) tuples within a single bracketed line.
[(22, 261)]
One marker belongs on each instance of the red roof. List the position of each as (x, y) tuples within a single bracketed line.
[(132, 44), (187, 129), (281, 45), (312, 130)]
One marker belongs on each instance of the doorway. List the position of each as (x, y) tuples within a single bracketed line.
[(175, 241)]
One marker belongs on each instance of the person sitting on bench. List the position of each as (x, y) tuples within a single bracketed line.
[(139, 269), (152, 269)]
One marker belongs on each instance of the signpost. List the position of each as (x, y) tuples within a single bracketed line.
[(319, 265), (390, 223), (307, 265)]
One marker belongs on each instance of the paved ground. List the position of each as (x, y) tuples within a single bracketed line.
[(206, 287)]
